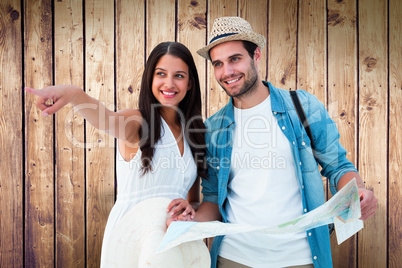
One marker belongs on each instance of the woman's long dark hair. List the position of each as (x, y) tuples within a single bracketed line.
[(189, 108)]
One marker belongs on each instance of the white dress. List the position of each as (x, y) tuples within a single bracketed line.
[(172, 176)]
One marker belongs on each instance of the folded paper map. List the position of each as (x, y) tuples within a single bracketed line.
[(343, 209)]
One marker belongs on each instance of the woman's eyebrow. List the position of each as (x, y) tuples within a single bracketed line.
[(160, 68), (184, 72)]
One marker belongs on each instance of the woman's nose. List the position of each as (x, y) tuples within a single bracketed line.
[(169, 83)]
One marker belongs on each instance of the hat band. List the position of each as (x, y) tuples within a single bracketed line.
[(221, 36)]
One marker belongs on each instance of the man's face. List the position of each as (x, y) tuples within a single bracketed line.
[(234, 70)]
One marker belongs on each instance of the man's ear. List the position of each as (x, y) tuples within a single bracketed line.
[(257, 55)]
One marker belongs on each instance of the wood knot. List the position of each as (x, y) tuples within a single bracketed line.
[(198, 22), (15, 15), (353, 21), (370, 63), (130, 89), (334, 18), (283, 80), (194, 3), (370, 103), (289, 70), (180, 25)]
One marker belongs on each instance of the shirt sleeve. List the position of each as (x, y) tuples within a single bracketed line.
[(210, 184), (329, 152)]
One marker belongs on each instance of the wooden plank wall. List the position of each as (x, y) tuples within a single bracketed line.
[(57, 174), (70, 190)]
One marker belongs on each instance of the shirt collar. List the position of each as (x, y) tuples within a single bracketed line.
[(228, 114), (277, 104)]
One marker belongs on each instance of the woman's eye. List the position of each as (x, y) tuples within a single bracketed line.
[(160, 73), (179, 76)]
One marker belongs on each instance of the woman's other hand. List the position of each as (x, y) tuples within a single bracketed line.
[(180, 210)]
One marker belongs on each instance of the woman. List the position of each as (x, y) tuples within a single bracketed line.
[(161, 146)]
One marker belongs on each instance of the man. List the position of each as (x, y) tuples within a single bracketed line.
[(262, 170)]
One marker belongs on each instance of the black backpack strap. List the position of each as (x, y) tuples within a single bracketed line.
[(302, 115), (303, 119)]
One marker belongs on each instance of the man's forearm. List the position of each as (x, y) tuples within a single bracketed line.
[(347, 177), (207, 212)]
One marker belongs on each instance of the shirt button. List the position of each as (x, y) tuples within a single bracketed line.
[(315, 257), (300, 163), (294, 143), (309, 234), (303, 143), (283, 128), (305, 210), (217, 167), (302, 186), (275, 112)]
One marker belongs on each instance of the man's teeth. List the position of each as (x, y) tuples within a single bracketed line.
[(232, 81), (168, 93)]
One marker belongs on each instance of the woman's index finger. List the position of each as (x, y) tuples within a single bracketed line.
[(36, 92)]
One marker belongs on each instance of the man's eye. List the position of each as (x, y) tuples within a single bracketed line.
[(235, 59), (217, 64)]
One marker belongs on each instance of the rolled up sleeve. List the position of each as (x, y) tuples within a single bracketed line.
[(210, 184), (329, 152)]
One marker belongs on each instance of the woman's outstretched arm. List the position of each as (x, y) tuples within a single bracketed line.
[(123, 124)]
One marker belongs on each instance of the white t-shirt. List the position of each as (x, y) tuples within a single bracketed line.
[(263, 190)]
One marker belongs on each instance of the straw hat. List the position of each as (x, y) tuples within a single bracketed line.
[(135, 240), (231, 29)]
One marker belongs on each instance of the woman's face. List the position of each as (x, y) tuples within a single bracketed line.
[(171, 80)]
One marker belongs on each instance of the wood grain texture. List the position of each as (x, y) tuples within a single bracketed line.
[(312, 61), (161, 23), (395, 139), (282, 40), (38, 228), (216, 96), (70, 159), (342, 97), (255, 12), (130, 52), (99, 70), (11, 159), (373, 106), (191, 25), (39, 184)]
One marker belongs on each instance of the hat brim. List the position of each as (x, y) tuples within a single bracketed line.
[(255, 38), (135, 240)]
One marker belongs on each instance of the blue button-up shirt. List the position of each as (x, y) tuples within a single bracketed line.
[(329, 154)]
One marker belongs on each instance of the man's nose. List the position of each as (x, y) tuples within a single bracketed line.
[(228, 70)]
